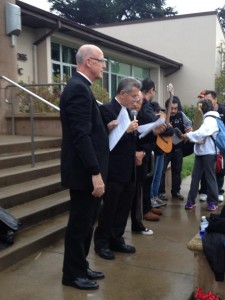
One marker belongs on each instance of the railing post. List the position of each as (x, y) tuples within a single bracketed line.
[(32, 132)]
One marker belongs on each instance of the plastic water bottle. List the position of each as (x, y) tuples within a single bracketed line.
[(203, 225)]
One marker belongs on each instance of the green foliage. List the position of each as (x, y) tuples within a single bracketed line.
[(50, 93), (188, 163), (100, 93), (93, 12), (189, 111), (220, 80), (221, 13), (220, 88)]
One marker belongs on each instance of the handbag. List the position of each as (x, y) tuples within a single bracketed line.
[(219, 164), (9, 225), (188, 148)]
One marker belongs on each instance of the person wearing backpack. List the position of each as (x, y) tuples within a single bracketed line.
[(205, 156), (212, 96)]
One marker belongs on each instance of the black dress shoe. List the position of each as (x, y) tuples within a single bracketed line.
[(123, 248), (105, 253), (93, 275), (80, 283), (178, 196)]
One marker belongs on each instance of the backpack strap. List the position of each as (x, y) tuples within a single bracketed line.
[(211, 135)]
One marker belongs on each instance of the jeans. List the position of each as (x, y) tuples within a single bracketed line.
[(159, 163)]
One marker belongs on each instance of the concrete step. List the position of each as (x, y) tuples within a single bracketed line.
[(12, 160), (33, 194), (33, 239), (41, 209), (28, 191), (16, 144), (26, 173)]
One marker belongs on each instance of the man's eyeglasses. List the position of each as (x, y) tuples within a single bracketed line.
[(101, 60), (135, 98)]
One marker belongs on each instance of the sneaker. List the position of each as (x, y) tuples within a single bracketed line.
[(220, 198), (212, 207), (161, 202), (190, 205), (147, 231), (202, 197), (163, 197), (177, 196), (156, 202)]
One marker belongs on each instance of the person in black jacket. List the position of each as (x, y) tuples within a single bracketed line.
[(178, 120), (84, 162), (120, 185), (147, 144)]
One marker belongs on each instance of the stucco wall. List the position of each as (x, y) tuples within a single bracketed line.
[(8, 64), (193, 41)]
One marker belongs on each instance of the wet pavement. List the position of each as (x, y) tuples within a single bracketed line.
[(161, 269)]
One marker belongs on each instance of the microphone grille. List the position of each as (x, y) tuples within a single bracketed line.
[(133, 112)]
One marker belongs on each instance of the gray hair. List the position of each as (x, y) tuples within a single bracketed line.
[(127, 84)]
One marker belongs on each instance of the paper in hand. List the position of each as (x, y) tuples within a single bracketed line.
[(145, 129)]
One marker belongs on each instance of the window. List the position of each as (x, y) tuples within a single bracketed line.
[(63, 61), (64, 66)]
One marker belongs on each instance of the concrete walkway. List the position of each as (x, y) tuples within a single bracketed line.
[(161, 269)]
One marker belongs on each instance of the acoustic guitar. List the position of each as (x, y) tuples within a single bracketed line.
[(165, 143)]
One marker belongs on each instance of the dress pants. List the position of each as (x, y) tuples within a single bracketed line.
[(83, 213), (114, 214), (137, 208)]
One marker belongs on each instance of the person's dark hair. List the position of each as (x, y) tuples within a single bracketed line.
[(156, 106), (212, 93), (205, 105), (176, 100), (147, 84), (127, 84)]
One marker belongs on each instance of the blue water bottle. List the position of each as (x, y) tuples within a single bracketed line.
[(203, 225)]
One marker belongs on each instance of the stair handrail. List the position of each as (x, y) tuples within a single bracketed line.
[(31, 112), (29, 92)]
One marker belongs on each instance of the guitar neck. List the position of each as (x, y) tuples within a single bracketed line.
[(168, 112)]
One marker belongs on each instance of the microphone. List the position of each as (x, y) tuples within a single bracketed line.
[(133, 113)]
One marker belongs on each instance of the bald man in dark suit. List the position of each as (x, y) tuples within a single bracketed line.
[(84, 161)]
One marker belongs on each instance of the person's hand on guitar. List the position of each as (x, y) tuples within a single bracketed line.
[(169, 130), (160, 129)]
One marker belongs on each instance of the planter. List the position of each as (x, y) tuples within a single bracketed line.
[(44, 124), (203, 275)]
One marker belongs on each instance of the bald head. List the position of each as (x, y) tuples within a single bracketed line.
[(90, 61), (86, 51)]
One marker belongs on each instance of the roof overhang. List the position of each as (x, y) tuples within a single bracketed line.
[(36, 18)]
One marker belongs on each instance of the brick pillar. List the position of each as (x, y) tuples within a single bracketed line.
[(8, 64)]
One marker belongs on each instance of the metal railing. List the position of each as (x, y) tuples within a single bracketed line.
[(31, 111)]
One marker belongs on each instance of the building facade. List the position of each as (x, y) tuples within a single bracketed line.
[(194, 40), (184, 50)]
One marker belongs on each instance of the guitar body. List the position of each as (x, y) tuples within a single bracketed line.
[(165, 143)]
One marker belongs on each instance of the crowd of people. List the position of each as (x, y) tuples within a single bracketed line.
[(110, 175)]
